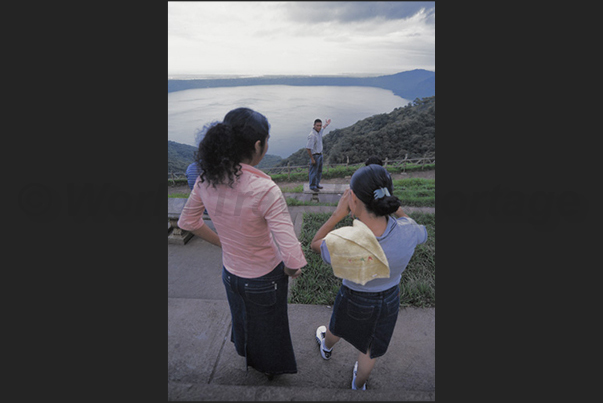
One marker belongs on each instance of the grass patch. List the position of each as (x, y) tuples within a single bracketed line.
[(179, 181), (296, 176), (342, 171), (416, 192), (179, 196), (410, 167), (417, 286), (291, 201), (318, 286), (296, 189), (327, 173)]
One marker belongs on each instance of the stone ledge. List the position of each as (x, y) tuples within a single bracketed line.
[(335, 188)]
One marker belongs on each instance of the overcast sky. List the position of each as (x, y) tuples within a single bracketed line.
[(306, 38)]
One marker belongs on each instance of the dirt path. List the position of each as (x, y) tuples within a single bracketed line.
[(427, 174)]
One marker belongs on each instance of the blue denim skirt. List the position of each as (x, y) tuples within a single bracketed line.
[(366, 320), (260, 321)]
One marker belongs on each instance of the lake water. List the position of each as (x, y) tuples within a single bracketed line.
[(290, 110)]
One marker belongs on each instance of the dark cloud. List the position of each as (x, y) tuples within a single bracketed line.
[(348, 11)]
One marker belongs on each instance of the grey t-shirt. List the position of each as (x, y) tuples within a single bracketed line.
[(398, 242)]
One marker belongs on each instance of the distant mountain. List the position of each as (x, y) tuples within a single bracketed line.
[(269, 161), (407, 84), (181, 155), (406, 130)]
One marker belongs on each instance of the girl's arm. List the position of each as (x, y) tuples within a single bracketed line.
[(341, 212)]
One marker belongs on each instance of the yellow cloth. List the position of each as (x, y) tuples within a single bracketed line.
[(356, 254)]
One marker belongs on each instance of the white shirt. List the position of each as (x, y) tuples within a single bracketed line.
[(314, 142)]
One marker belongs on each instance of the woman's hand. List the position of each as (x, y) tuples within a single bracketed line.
[(341, 212), (292, 273), (343, 207)]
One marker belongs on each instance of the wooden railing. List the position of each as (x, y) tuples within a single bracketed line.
[(289, 169)]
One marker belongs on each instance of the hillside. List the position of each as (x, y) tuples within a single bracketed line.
[(406, 130), (407, 84), (269, 161), (181, 155)]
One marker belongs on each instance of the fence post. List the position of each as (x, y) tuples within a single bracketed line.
[(385, 164), (347, 160), (404, 163), (289, 171)]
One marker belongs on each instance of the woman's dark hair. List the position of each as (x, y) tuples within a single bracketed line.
[(373, 159), (229, 142), (368, 183)]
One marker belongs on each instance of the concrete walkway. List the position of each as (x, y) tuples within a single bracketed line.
[(203, 364)]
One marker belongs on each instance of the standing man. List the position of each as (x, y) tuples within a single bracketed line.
[(314, 149)]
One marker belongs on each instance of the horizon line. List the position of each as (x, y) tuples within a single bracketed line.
[(359, 75)]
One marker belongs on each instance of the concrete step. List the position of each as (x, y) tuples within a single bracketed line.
[(214, 392), (332, 188), (203, 361)]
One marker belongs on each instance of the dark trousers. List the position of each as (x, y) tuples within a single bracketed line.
[(260, 322), (315, 171)]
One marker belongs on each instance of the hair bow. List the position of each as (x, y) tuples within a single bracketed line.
[(382, 192)]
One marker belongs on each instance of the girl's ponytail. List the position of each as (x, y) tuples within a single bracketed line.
[(386, 205), (373, 185)]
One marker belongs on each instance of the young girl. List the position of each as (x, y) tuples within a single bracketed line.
[(251, 217), (365, 315)]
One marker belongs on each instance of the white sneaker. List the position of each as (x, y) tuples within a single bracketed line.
[(354, 378), (321, 333)]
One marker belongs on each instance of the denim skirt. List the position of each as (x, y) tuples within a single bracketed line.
[(260, 322), (366, 320)]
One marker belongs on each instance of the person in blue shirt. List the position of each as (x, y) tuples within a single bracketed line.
[(365, 315), (192, 173)]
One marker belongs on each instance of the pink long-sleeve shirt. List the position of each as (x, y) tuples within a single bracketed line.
[(251, 219)]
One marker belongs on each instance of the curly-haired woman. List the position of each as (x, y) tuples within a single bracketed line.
[(251, 218)]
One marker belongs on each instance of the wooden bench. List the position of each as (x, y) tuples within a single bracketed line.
[(328, 188), (177, 235)]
